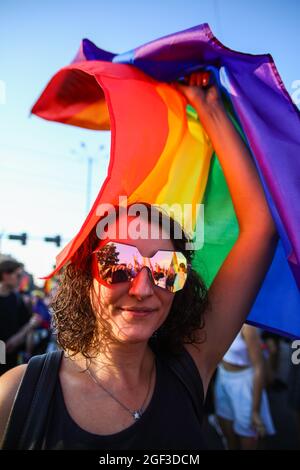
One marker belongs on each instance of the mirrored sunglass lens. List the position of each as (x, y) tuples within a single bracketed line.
[(169, 270), (118, 263)]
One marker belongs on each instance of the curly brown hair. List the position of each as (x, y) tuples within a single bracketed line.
[(80, 330)]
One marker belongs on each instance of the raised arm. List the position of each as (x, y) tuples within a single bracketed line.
[(237, 283)]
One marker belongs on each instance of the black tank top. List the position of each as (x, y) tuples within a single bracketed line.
[(170, 420)]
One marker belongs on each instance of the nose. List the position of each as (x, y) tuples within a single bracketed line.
[(142, 285)]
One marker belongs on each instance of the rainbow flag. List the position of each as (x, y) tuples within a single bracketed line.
[(161, 154), (49, 284)]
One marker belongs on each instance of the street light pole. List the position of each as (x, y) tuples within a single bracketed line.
[(89, 176)]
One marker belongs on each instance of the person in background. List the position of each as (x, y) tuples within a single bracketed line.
[(15, 317), (40, 308), (180, 277), (241, 402), (272, 350), (38, 338)]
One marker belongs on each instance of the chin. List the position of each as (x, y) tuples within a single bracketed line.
[(133, 336)]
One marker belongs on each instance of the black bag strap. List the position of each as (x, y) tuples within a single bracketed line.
[(29, 412)]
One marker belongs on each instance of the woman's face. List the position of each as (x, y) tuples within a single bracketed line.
[(137, 309)]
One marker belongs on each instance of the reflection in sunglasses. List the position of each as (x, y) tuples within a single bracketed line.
[(118, 262)]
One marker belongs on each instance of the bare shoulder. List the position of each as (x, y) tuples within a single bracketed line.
[(9, 384)]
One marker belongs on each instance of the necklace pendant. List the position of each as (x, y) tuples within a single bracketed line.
[(137, 414)]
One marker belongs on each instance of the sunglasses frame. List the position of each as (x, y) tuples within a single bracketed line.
[(95, 270)]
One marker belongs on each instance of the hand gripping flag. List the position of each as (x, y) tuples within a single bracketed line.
[(161, 154)]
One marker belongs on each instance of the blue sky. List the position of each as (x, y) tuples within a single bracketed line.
[(43, 166)]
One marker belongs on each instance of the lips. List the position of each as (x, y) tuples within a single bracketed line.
[(138, 311)]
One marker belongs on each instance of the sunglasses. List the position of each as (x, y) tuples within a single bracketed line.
[(118, 262)]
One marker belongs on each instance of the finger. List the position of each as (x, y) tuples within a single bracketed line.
[(199, 79), (205, 78), (193, 80), (260, 429)]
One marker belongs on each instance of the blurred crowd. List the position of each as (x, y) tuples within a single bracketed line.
[(253, 401), (25, 314)]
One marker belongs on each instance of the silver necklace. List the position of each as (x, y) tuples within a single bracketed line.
[(136, 414)]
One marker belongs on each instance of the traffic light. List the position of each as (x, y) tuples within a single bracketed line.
[(56, 240), (22, 238)]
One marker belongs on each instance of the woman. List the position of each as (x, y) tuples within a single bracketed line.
[(114, 388), (180, 277), (240, 399)]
